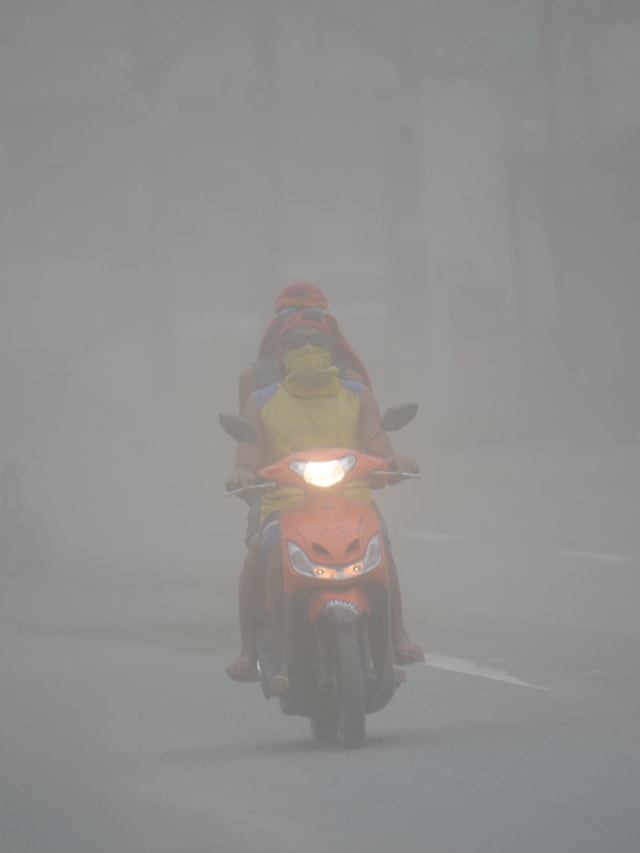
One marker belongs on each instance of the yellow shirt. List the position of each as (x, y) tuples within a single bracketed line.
[(296, 423)]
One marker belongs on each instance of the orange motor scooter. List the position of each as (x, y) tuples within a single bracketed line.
[(337, 610)]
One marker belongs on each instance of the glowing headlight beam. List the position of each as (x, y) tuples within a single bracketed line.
[(323, 474)]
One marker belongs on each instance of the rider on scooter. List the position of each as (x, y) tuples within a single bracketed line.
[(266, 370), (312, 407)]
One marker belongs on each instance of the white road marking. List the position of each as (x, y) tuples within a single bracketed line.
[(468, 667), (574, 554), (435, 536), (596, 556)]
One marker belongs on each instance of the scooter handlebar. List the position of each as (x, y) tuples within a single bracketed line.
[(271, 484), (380, 478), (254, 487), (404, 475)]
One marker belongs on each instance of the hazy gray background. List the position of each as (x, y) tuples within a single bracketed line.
[(461, 178)]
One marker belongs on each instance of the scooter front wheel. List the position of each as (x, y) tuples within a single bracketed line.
[(351, 697), (324, 726)]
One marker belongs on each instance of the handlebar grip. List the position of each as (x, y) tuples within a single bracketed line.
[(263, 486)]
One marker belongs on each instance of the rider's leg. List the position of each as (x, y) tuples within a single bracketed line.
[(250, 594), (405, 650), (275, 595), (250, 590)]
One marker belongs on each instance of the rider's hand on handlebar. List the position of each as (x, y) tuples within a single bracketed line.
[(240, 478), (403, 464)]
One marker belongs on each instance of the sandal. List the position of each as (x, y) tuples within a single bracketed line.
[(243, 672), (405, 653), (279, 685), (399, 676)]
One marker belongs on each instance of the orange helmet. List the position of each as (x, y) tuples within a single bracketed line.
[(301, 294)]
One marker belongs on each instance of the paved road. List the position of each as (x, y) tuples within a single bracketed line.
[(119, 730), (114, 745)]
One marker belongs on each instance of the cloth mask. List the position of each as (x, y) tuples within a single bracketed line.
[(309, 372)]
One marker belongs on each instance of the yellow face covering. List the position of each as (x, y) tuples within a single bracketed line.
[(309, 372)]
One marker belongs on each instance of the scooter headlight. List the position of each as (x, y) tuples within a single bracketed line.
[(373, 554), (323, 474), (301, 564), (299, 560)]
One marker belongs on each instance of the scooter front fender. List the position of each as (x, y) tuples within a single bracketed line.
[(346, 605)]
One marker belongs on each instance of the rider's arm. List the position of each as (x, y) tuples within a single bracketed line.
[(249, 457), (246, 386), (378, 443)]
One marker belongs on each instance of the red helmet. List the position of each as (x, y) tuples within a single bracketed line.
[(301, 294), (310, 319)]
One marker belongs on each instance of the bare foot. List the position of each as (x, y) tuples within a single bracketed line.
[(279, 685), (244, 669), (406, 653), (399, 676)]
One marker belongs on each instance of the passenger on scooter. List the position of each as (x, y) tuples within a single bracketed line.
[(310, 408), (266, 370)]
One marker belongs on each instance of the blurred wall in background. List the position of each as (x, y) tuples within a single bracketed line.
[(461, 178)]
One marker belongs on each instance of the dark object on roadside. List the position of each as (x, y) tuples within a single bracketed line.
[(25, 541)]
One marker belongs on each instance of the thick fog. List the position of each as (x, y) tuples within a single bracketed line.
[(461, 179)]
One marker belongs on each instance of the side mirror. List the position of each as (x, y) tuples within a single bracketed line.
[(239, 428), (395, 418), (398, 416)]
